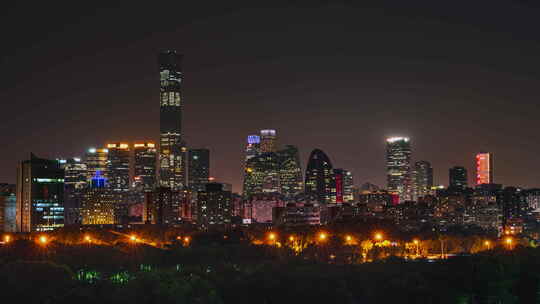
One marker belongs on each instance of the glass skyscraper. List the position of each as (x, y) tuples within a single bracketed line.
[(423, 178), (171, 155), (40, 195), (144, 173), (198, 168), (398, 166), (118, 162), (320, 179), (458, 178)]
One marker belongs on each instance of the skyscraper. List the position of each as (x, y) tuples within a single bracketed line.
[(268, 141), (320, 177), (261, 174), (75, 181), (118, 165), (214, 206), (290, 172), (253, 147), (423, 178), (458, 178), (344, 185), (95, 160), (398, 164), (171, 167), (40, 195), (199, 168), (144, 173), (484, 168), (99, 204)]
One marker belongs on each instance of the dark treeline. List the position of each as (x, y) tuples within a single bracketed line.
[(218, 270)]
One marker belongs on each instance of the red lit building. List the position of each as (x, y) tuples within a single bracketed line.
[(484, 168)]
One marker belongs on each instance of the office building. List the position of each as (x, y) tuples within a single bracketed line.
[(171, 160), (253, 147), (167, 207), (101, 205), (40, 195), (262, 175), (458, 178), (484, 168), (8, 203), (75, 181), (268, 141), (214, 207), (95, 160), (344, 185), (289, 171), (259, 207), (144, 169), (198, 168), (398, 165), (320, 179), (118, 166), (423, 179)]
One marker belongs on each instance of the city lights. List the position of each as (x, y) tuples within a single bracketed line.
[(87, 238), (43, 240), (323, 236), (133, 238), (378, 236), (272, 236), (7, 238)]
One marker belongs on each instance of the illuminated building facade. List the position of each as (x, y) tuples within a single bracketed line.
[(290, 172), (484, 168), (214, 207), (422, 178), (198, 168), (398, 166), (40, 195), (118, 162), (262, 174), (171, 157), (144, 171), (268, 141), (320, 179), (96, 160), (100, 205), (259, 207), (165, 206), (344, 185), (253, 147), (458, 178), (75, 181)]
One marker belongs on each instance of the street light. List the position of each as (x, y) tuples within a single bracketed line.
[(7, 238), (322, 236), (133, 238), (272, 236), (487, 243), (291, 238), (417, 243), (88, 239), (348, 238), (378, 236), (43, 240), (509, 242)]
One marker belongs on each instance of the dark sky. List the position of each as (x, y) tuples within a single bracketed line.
[(457, 78)]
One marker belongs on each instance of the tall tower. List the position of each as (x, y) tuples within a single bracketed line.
[(423, 178), (268, 141), (290, 171), (171, 156), (199, 168), (40, 195), (458, 177), (484, 168), (144, 173), (118, 166), (95, 160), (398, 166), (320, 179)]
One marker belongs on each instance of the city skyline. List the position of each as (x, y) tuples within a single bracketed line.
[(440, 109)]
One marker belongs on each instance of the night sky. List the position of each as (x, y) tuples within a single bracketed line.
[(457, 78)]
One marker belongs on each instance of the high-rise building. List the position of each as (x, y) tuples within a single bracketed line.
[(214, 206), (253, 147), (75, 181), (144, 172), (118, 166), (259, 207), (344, 185), (100, 205), (268, 141), (423, 178), (164, 206), (290, 172), (171, 163), (458, 178), (484, 168), (398, 164), (198, 168), (96, 160), (262, 174), (320, 179), (40, 195)]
